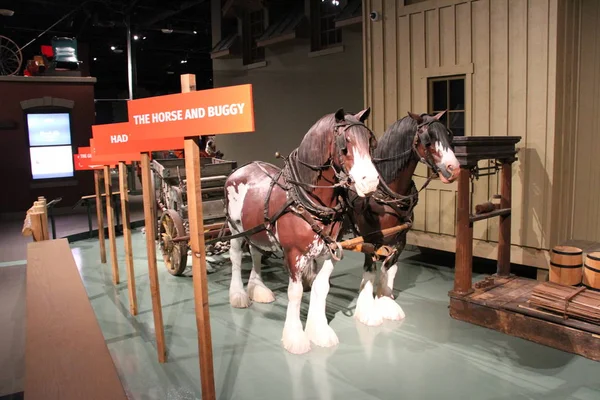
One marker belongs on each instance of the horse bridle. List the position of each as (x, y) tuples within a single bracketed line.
[(341, 144), (422, 136)]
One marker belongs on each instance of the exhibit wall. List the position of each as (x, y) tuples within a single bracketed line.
[(292, 89), (43, 120), (504, 53)]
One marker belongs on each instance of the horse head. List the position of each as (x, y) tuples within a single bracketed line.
[(433, 143), (354, 144)]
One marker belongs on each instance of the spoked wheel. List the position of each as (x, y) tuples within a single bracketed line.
[(11, 57), (174, 253)]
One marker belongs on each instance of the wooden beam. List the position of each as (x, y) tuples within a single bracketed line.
[(464, 236), (100, 216), (150, 221), (196, 223), (112, 241), (504, 233), (66, 356), (127, 238)]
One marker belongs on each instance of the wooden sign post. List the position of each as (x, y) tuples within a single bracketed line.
[(117, 141), (103, 134), (189, 115), (83, 163)]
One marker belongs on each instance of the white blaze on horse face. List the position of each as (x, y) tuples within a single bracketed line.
[(364, 174), (447, 163), (235, 202)]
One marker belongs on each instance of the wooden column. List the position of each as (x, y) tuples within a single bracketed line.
[(464, 237), (150, 223), (194, 197), (504, 234), (100, 216), (112, 241), (127, 238)]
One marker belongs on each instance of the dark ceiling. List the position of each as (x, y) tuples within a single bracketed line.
[(99, 24)]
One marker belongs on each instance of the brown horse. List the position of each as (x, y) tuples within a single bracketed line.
[(406, 142), (297, 211)]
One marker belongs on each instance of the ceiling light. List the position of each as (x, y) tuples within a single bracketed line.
[(165, 30), (144, 38), (184, 61), (195, 32), (95, 58), (113, 48), (135, 37), (6, 13)]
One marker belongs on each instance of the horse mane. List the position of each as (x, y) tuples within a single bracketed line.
[(310, 151), (392, 153)]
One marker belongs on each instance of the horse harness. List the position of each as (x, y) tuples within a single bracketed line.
[(300, 203)]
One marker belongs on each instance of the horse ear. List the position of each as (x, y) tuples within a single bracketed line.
[(416, 117), (364, 114), (440, 114), (340, 115)]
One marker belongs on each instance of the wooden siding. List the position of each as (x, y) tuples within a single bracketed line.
[(507, 51)]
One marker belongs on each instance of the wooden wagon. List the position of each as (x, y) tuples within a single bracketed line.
[(169, 185)]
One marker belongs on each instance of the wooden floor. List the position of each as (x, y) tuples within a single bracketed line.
[(502, 304)]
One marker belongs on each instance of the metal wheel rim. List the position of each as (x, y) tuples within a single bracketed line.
[(10, 51)]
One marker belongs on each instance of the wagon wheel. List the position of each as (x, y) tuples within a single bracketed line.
[(174, 253), (11, 57)]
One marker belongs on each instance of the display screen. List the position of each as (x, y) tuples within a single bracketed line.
[(51, 162), (50, 148), (49, 129)]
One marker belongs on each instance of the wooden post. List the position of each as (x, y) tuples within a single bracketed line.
[(504, 234), (127, 237), (150, 222), (194, 196), (42, 207), (100, 216), (464, 237), (112, 241)]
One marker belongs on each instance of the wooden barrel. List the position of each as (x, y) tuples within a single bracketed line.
[(591, 271), (566, 265)]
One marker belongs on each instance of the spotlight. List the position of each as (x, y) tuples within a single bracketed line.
[(113, 48), (195, 32), (144, 38), (95, 58), (135, 37)]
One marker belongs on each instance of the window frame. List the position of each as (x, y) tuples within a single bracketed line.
[(431, 102), (251, 53), (317, 19)]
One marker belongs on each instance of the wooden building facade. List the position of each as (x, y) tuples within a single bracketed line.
[(528, 68)]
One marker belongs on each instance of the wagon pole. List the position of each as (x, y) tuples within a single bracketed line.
[(360, 245)]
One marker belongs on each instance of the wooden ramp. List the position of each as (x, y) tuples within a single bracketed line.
[(502, 304), (66, 356)]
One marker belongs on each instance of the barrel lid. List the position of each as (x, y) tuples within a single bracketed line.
[(595, 255), (567, 250)]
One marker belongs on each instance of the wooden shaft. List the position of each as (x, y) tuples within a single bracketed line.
[(192, 171), (127, 238), (504, 234), (150, 223), (354, 242), (44, 217), (464, 237), (100, 216), (112, 240)]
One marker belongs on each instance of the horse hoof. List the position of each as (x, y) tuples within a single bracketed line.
[(366, 311), (260, 294), (389, 309), (295, 341), (239, 300), (322, 336)]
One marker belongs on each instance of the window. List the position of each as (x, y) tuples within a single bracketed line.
[(50, 150), (324, 32), (448, 93), (254, 27)]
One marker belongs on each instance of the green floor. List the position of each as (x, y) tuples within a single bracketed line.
[(427, 356)]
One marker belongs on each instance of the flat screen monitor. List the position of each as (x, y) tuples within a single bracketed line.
[(50, 149)]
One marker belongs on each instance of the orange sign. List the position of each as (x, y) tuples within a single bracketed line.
[(206, 112), (83, 160), (117, 139), (112, 159)]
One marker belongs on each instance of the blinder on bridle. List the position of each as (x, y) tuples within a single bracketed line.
[(341, 139), (423, 136)]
